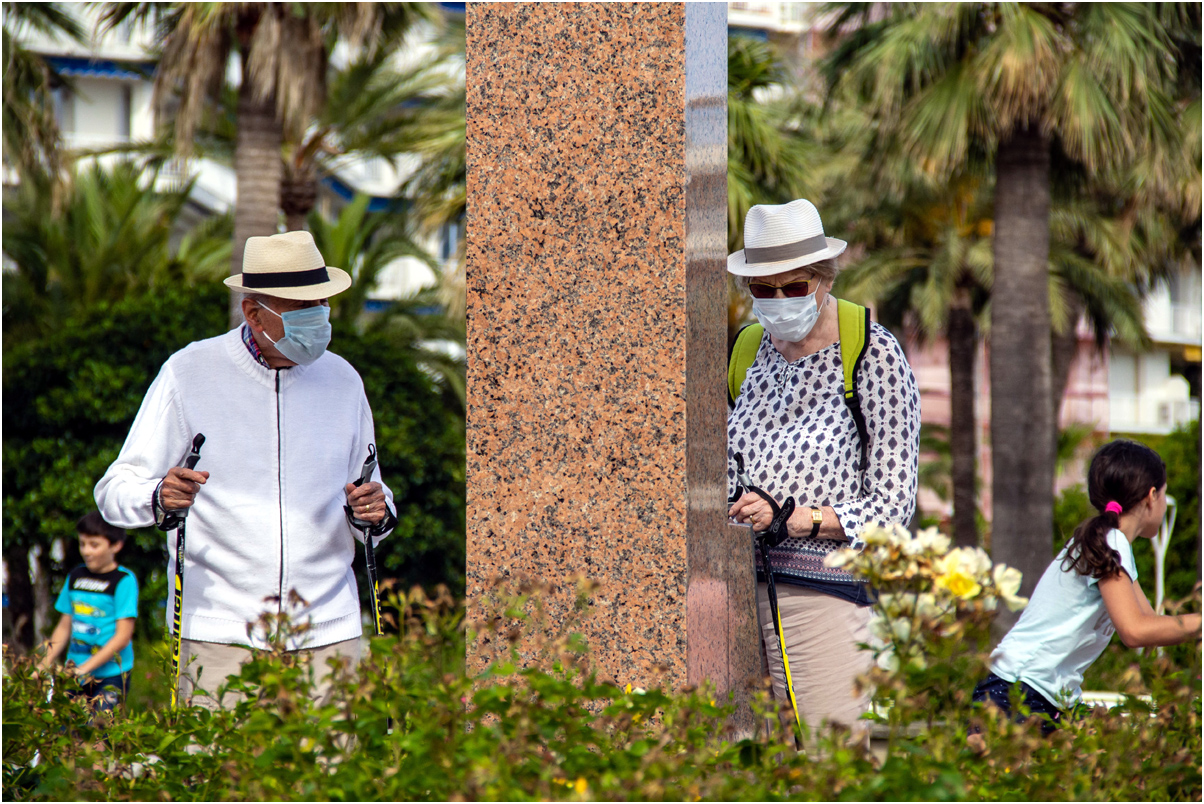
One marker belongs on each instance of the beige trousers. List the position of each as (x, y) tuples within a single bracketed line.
[(821, 634), (205, 666)]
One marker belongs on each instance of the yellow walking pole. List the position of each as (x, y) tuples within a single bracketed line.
[(189, 463)]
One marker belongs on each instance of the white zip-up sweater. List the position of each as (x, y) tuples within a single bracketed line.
[(280, 445)]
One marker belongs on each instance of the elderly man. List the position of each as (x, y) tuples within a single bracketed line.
[(287, 429)]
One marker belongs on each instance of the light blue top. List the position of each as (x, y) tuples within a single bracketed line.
[(1064, 628)]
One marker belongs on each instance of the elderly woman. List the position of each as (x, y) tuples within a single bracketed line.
[(799, 439)]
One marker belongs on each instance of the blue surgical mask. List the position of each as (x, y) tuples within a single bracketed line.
[(306, 333)]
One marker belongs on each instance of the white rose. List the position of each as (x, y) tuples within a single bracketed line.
[(1007, 583), (876, 535), (926, 606), (888, 661), (901, 629), (980, 562), (839, 558), (932, 539)]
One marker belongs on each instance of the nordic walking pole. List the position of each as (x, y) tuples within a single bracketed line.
[(765, 541), (190, 462), (772, 537), (369, 550)]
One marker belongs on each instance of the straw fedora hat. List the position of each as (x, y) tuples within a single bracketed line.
[(781, 237), (288, 266)]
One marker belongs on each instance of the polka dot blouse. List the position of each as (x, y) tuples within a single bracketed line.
[(799, 440)]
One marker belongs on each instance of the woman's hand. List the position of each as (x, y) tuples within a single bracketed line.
[(752, 509)]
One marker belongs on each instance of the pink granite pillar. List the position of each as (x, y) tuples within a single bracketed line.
[(597, 331)]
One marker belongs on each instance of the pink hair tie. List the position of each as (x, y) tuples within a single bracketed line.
[(1113, 508)]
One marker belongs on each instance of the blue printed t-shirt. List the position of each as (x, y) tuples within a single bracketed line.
[(96, 601)]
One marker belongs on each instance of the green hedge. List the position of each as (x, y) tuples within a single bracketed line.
[(564, 734)]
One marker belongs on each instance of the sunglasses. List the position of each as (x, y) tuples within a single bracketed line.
[(792, 290)]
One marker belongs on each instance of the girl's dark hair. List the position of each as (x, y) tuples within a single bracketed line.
[(1122, 472)]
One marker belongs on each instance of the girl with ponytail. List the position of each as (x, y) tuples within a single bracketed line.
[(1089, 592)]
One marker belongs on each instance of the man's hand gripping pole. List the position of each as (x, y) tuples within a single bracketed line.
[(365, 527)]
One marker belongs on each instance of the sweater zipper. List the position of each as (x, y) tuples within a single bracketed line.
[(280, 497)]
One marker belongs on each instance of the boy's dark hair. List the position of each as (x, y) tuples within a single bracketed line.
[(1122, 472), (93, 524)]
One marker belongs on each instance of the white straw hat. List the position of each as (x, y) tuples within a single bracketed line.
[(288, 266), (781, 237)]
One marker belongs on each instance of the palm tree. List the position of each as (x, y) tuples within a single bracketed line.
[(374, 109), (1019, 85), (282, 51), (110, 238), (438, 187), (929, 254), (32, 143), (767, 162), (371, 112), (364, 243)]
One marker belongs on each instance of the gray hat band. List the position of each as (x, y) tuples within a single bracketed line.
[(786, 251)]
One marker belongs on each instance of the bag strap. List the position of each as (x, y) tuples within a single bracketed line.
[(744, 352), (854, 323)]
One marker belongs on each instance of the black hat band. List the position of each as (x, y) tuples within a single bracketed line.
[(286, 279)]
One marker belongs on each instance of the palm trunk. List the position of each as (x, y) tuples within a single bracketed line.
[(1022, 432), (257, 169), (963, 343), (298, 197), (20, 597)]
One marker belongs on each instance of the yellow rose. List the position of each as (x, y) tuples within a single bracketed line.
[(960, 583)]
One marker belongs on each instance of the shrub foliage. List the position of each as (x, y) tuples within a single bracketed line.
[(562, 733)]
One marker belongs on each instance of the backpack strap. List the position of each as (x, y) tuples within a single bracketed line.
[(744, 352), (854, 323)]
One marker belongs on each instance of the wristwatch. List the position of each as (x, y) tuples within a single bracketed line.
[(817, 517)]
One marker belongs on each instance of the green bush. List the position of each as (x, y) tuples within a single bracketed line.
[(560, 733)]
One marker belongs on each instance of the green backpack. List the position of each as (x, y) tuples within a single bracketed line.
[(854, 323)]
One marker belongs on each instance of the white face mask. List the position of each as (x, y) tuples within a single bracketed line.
[(787, 319)]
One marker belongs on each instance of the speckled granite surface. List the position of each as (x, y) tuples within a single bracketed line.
[(596, 314)]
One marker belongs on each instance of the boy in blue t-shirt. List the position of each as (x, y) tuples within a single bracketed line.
[(99, 603)]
